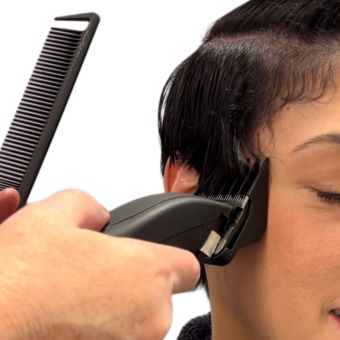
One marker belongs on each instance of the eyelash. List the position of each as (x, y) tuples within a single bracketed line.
[(328, 197)]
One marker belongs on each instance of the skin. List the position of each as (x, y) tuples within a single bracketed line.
[(61, 279), (286, 285), (9, 201)]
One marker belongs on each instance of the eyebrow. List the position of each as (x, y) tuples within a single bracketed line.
[(321, 139)]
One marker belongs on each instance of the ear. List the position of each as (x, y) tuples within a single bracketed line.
[(179, 178)]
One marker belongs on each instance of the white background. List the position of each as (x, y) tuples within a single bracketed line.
[(107, 141)]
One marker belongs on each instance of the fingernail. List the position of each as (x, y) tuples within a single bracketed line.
[(105, 214)]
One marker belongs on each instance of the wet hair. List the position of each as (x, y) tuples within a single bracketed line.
[(252, 62)]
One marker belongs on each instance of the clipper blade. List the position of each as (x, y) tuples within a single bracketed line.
[(228, 198)]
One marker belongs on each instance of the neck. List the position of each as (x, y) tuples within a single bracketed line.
[(226, 328), (225, 324)]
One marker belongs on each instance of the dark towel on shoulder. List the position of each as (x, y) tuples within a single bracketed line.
[(197, 329)]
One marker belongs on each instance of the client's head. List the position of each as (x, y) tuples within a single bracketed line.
[(265, 84)]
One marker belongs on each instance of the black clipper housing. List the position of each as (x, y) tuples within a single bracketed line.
[(212, 228)]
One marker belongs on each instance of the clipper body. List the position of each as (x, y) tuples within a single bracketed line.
[(212, 230), (174, 219)]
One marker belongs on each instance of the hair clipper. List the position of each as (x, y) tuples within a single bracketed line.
[(212, 228)]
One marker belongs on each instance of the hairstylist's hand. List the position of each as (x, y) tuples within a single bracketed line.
[(9, 201), (61, 281)]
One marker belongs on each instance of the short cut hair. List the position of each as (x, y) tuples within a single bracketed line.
[(252, 62)]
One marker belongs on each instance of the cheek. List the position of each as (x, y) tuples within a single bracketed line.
[(300, 263), (302, 244), (293, 272)]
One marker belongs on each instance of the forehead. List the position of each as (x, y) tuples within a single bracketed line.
[(298, 123)]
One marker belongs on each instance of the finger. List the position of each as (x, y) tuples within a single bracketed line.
[(72, 208), (9, 202), (185, 269)]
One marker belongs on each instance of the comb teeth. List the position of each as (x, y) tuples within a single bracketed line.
[(36, 105), (43, 103)]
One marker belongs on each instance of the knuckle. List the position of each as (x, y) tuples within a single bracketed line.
[(72, 198), (74, 193)]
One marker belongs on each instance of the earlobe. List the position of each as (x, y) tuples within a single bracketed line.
[(180, 178)]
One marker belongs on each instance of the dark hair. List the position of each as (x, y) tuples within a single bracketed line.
[(251, 63)]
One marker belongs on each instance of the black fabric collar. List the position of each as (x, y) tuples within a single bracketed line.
[(197, 329)]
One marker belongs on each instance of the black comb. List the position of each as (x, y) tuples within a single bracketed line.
[(43, 103)]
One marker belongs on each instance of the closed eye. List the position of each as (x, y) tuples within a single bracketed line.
[(327, 197)]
